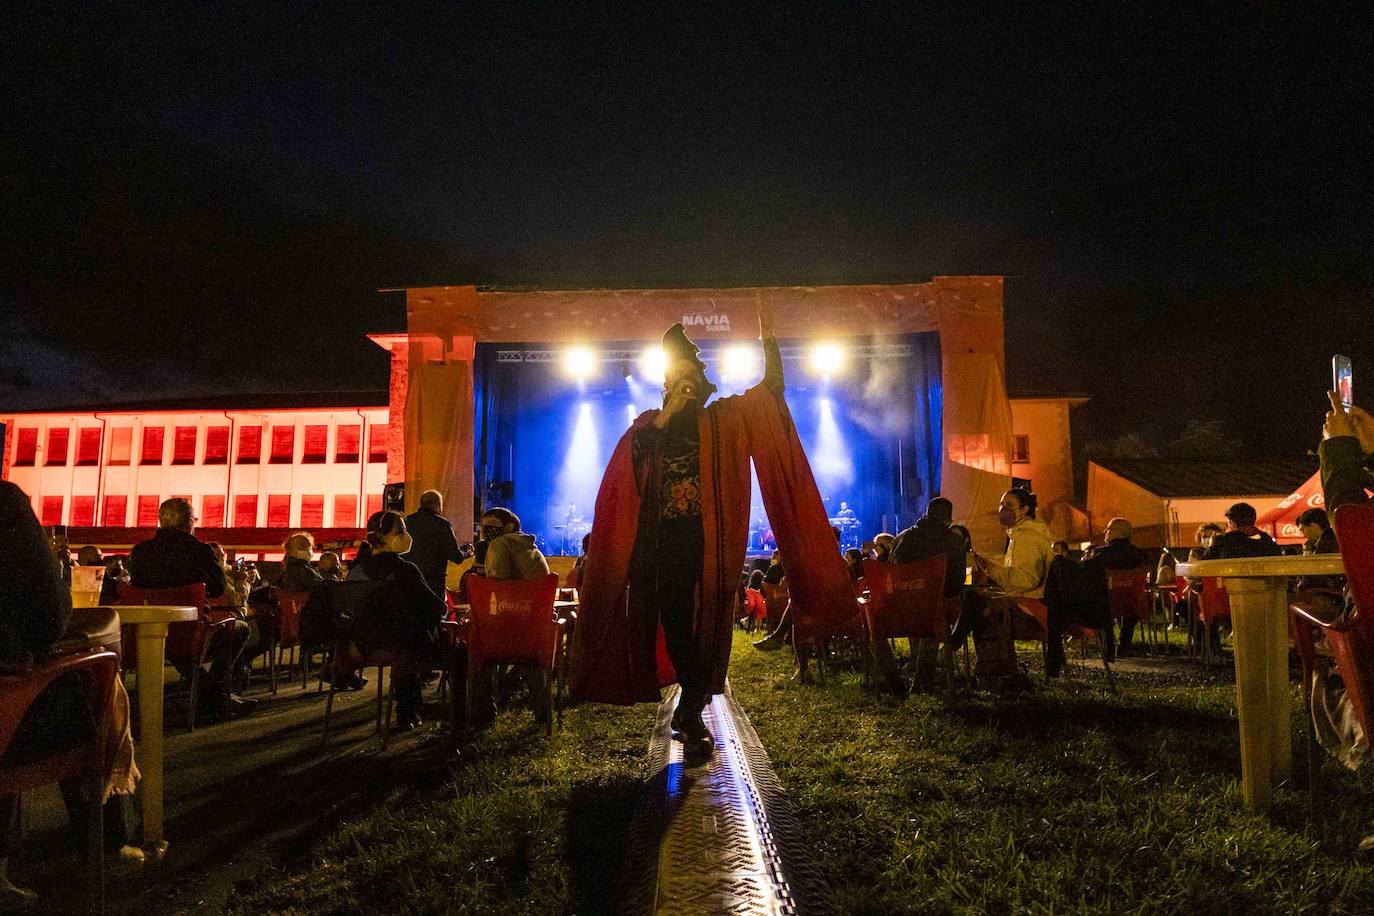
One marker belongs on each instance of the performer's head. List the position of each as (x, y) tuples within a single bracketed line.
[(683, 363)]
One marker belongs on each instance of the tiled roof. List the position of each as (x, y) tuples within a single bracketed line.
[(1184, 479)]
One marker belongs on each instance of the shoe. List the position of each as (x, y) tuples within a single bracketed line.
[(357, 682), (698, 751), (770, 644), (236, 707)]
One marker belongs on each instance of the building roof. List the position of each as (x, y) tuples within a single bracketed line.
[(1075, 398), (1194, 479), (272, 400)]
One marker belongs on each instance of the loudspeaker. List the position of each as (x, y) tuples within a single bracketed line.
[(500, 492), (394, 497)]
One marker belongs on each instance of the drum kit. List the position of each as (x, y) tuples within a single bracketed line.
[(573, 529)]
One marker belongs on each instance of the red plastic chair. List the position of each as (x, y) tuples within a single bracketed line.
[(188, 642), (17, 695), (1350, 640), (775, 598), (513, 622), (1128, 595), (289, 606), (907, 601), (1214, 606)]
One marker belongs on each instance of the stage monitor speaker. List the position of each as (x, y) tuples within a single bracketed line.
[(394, 497), (500, 492)]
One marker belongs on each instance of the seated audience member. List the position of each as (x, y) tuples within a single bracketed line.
[(297, 575), (511, 553), (109, 583), (329, 567), (173, 558), (882, 546), (1166, 571), (782, 627), (1318, 537), (929, 537), (1021, 573), (1060, 548), (35, 607), (579, 565), (1241, 538), (1206, 533), (854, 561), (753, 598), (435, 546), (1118, 553), (402, 614)]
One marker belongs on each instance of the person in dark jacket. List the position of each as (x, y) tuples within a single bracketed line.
[(929, 537), (1242, 538), (404, 612), (174, 558), (297, 575), (434, 544), (35, 608), (1118, 553)]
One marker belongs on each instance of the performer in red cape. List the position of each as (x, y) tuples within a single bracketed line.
[(671, 527)]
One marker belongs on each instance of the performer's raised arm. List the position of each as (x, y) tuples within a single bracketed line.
[(772, 357)]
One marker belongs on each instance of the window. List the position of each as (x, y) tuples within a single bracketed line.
[(346, 444), (250, 445), (312, 511), (57, 445), (376, 444), (279, 510), (152, 445), (346, 510), (1020, 449), (147, 512), (374, 504), (246, 511), (88, 447), (283, 444), (121, 444), (212, 512), (26, 447), (217, 445), (51, 513), (116, 511), (316, 445), (83, 511), (184, 445)]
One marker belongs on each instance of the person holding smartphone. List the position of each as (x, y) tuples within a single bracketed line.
[(1347, 444)]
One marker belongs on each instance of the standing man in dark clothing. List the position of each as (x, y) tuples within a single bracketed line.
[(1242, 538), (174, 558), (434, 544), (931, 536), (1118, 553)]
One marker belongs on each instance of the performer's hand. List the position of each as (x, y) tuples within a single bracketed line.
[(765, 318)]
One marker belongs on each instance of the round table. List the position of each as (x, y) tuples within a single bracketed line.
[(1258, 591), (150, 633)]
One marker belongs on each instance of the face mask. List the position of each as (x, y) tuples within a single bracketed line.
[(1006, 517)]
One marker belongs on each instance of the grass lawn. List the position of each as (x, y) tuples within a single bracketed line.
[(1065, 800), (519, 824)]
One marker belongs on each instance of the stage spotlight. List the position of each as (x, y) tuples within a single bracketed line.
[(579, 362), (654, 363), (739, 363), (827, 359)]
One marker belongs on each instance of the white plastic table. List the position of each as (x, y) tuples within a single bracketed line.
[(1258, 590)]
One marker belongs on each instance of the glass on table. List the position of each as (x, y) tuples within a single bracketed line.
[(86, 582)]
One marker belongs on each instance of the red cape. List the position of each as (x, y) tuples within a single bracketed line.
[(617, 653)]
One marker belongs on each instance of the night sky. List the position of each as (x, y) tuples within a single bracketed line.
[(206, 197)]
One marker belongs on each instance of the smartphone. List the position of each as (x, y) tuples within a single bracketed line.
[(1343, 380)]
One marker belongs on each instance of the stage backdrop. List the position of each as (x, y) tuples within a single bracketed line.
[(872, 432), (968, 396)]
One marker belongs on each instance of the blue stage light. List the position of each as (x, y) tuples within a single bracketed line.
[(831, 459)]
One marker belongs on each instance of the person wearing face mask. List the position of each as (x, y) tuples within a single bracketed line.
[(510, 553), (297, 575), (402, 613)]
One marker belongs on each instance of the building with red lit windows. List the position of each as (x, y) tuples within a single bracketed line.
[(254, 467)]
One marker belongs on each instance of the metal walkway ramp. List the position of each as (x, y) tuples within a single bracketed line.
[(717, 838)]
